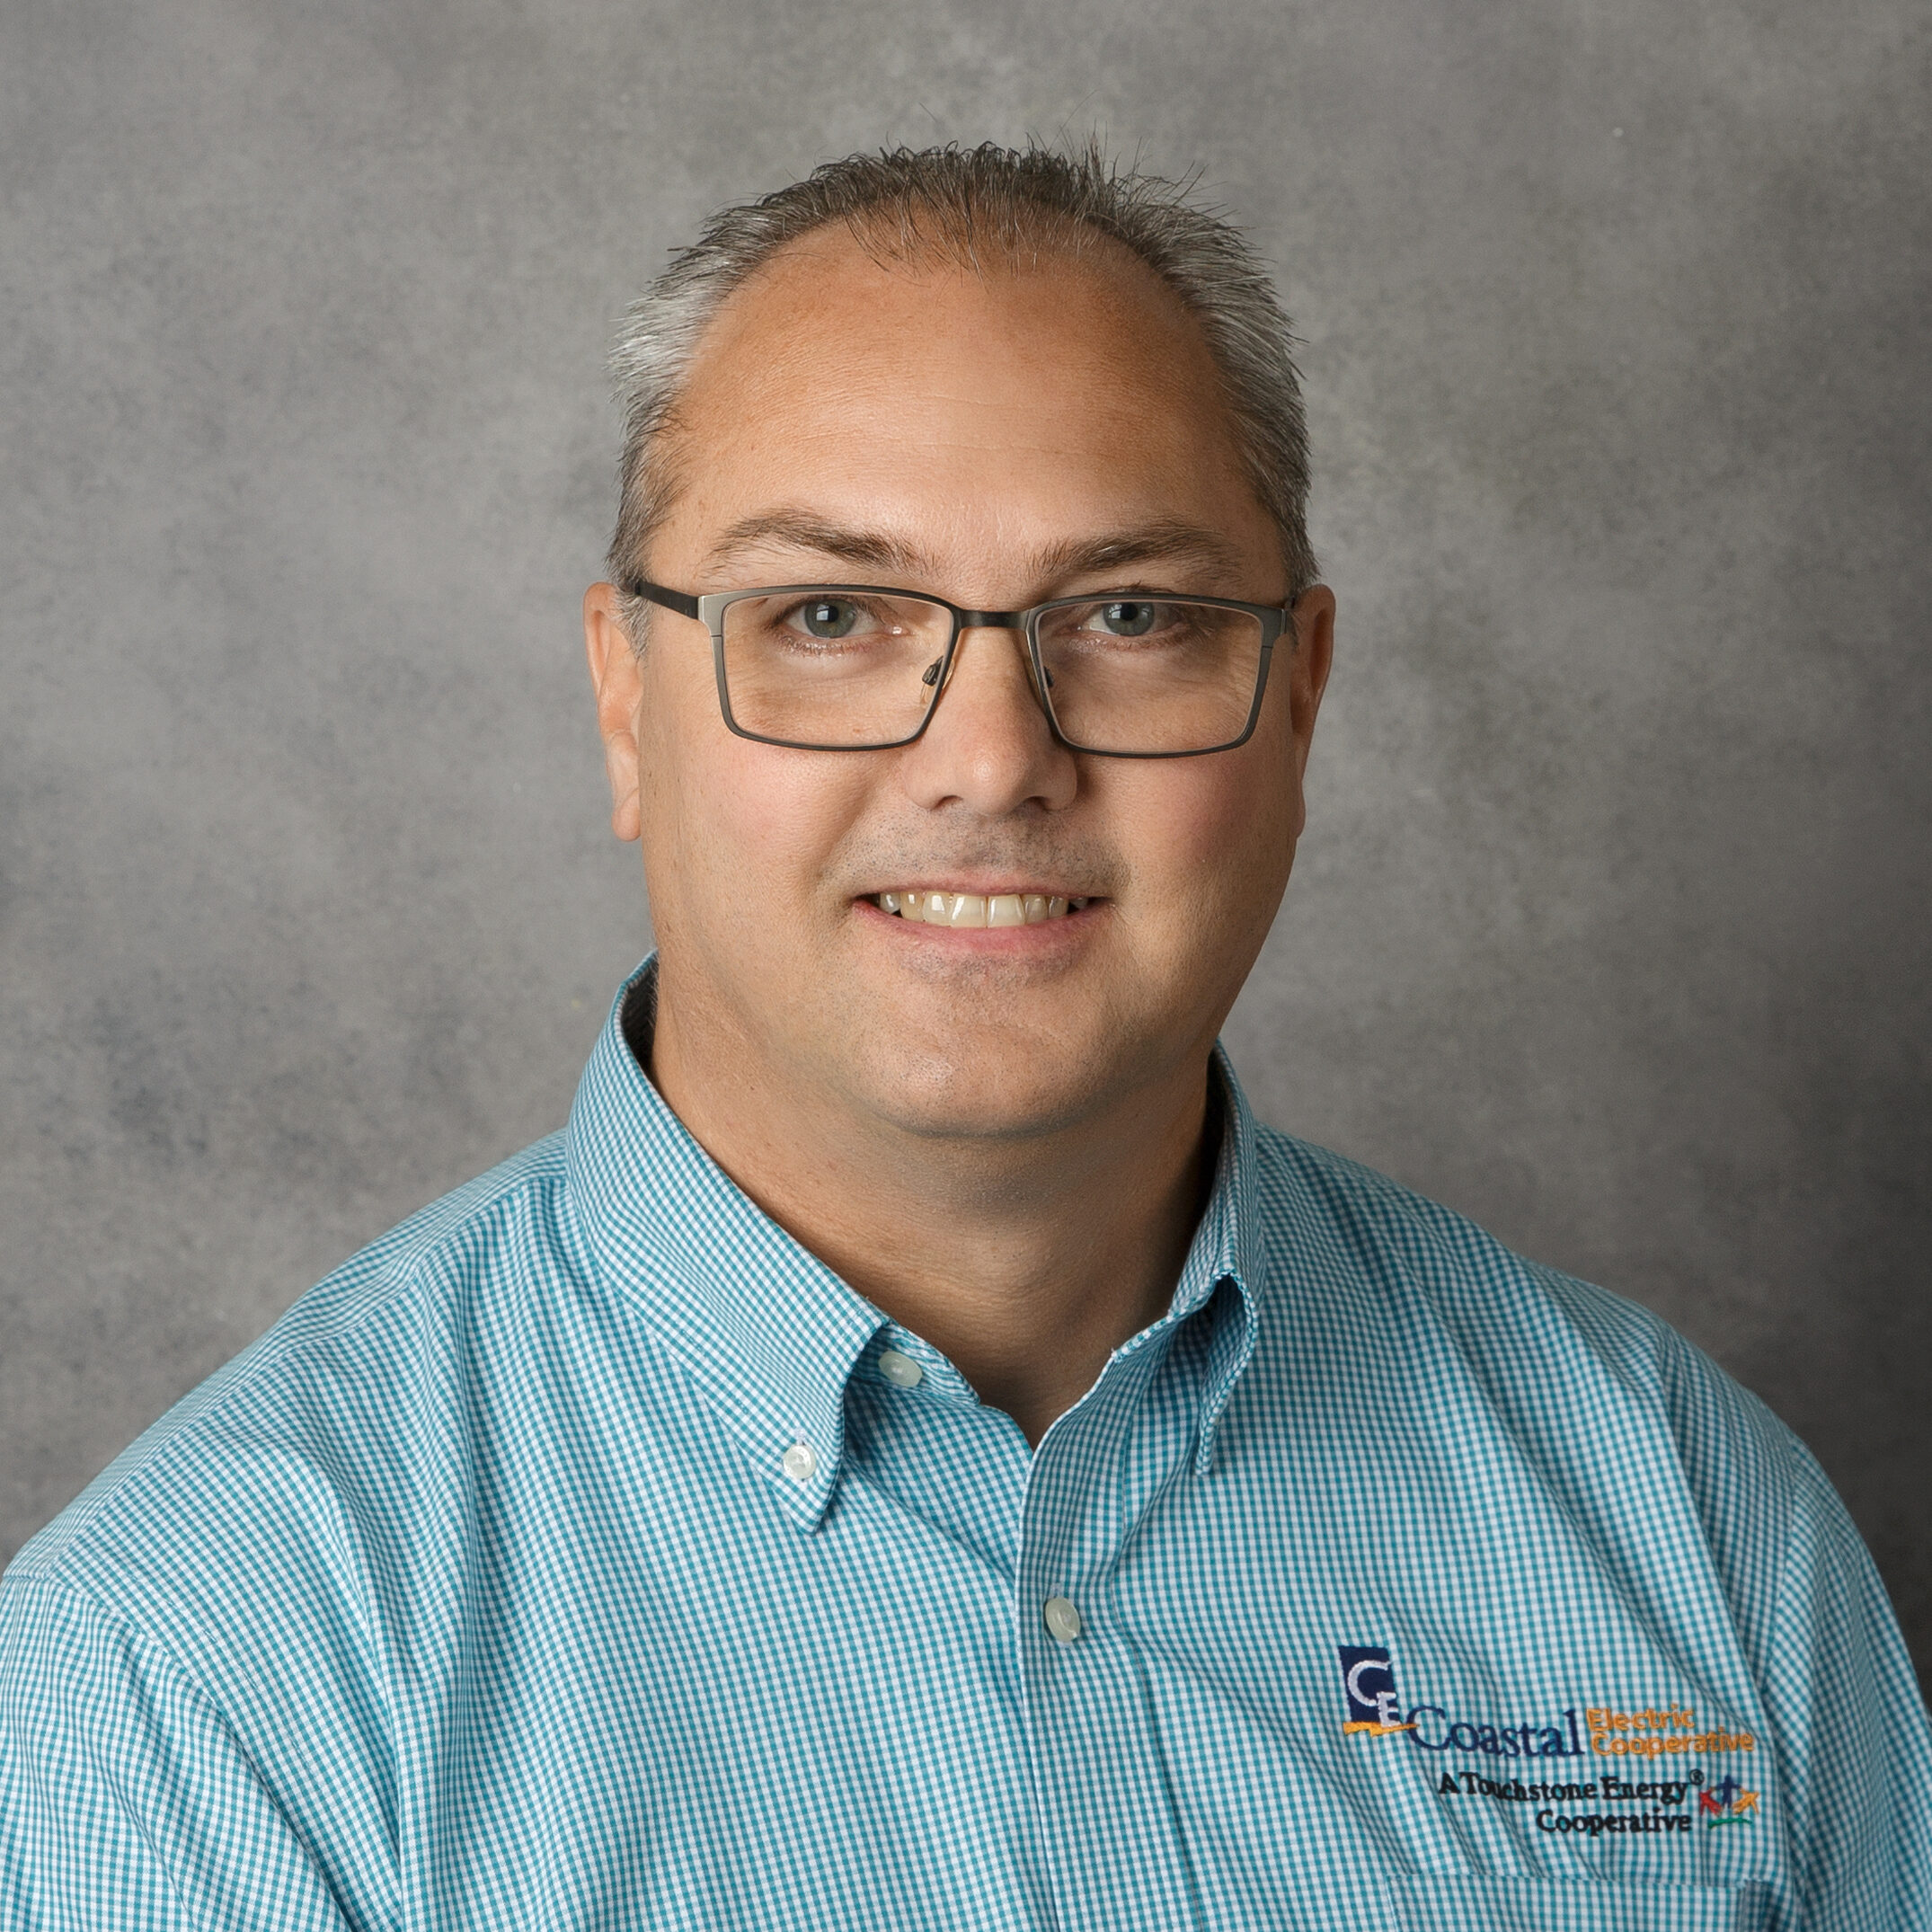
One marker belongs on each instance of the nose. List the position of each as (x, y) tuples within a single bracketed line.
[(988, 745)]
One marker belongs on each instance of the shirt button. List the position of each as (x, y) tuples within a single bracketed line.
[(1063, 1621), (900, 1371), (800, 1462)]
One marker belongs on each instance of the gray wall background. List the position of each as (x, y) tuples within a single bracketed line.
[(1611, 926)]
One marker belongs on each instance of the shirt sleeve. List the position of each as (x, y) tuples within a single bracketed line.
[(1853, 1742), (126, 1801)]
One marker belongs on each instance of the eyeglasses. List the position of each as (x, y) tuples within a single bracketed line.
[(841, 667)]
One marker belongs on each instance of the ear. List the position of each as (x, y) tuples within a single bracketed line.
[(615, 678), (1314, 648)]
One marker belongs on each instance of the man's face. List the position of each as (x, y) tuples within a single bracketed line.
[(980, 438)]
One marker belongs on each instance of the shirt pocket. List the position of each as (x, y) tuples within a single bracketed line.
[(1433, 1902)]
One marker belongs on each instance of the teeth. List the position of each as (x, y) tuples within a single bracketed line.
[(974, 909)]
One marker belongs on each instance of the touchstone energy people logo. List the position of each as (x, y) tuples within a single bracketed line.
[(1368, 1681), (1727, 1803)]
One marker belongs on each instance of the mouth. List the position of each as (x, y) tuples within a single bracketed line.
[(923, 907)]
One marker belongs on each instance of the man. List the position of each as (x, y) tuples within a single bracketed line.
[(914, 1451)]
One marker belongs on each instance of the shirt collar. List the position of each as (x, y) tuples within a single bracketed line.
[(1225, 1249), (768, 1332)]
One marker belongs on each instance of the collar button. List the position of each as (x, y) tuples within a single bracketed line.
[(900, 1369)]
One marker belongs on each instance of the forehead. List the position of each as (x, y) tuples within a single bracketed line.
[(1017, 398)]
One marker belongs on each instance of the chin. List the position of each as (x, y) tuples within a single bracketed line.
[(1012, 1093)]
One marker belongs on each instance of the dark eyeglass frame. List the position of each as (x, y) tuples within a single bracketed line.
[(709, 610)]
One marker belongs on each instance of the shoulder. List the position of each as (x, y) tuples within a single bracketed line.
[(1548, 1357), (344, 1407), (1402, 1247)]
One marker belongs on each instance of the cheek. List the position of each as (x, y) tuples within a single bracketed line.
[(1218, 833), (734, 830)]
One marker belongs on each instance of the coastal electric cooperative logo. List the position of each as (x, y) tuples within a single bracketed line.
[(1370, 1679), (1656, 1803)]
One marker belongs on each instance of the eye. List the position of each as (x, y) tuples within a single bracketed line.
[(1126, 620), (828, 617)]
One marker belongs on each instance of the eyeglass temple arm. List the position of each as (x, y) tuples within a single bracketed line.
[(655, 593)]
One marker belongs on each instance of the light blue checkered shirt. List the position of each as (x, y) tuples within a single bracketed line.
[(569, 1559)]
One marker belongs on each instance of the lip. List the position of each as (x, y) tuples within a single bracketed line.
[(983, 885)]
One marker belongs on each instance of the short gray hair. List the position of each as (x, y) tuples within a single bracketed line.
[(961, 203)]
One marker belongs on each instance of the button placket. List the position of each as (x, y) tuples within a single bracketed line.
[(1093, 1750)]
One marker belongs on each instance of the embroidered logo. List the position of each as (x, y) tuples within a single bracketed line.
[(1368, 1682), (1727, 1803)]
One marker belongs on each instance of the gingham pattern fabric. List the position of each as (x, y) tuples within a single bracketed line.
[(569, 1559)]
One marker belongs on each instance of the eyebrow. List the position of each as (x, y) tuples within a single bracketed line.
[(791, 530), (1164, 541)]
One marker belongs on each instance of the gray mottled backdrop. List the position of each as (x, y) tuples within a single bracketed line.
[(1611, 926)]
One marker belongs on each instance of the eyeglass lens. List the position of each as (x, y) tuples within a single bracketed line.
[(844, 669)]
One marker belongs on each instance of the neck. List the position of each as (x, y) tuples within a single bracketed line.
[(1026, 1261)]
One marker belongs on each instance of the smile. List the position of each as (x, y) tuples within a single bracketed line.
[(976, 909)]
